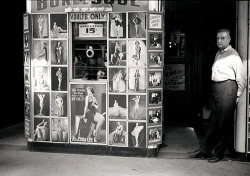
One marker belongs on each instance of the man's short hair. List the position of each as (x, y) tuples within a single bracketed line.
[(225, 30)]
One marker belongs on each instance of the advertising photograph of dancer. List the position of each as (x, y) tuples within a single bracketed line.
[(58, 25), (137, 80), (40, 26), (117, 25), (88, 113), (118, 133), (137, 107), (59, 78), (136, 134), (117, 80), (59, 52), (117, 107), (137, 53), (137, 25)]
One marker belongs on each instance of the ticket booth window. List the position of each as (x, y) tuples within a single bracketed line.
[(89, 50)]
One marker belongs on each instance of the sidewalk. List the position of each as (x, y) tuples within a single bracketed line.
[(172, 160)]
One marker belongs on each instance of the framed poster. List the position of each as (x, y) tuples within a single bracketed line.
[(154, 116), (26, 75), (26, 22), (154, 135), (59, 130), (58, 104), (41, 78), (155, 21), (41, 103), (117, 25), (27, 93), (155, 59), (174, 77), (58, 24), (27, 110), (40, 26), (117, 106), (118, 133), (137, 53), (59, 78), (117, 80), (59, 52), (137, 24), (136, 134), (26, 58), (27, 128), (155, 40), (155, 78), (26, 40), (41, 129), (117, 53), (155, 97), (40, 52), (88, 113), (137, 107), (137, 80)]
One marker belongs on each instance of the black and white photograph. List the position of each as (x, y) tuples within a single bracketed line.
[(155, 40), (155, 97), (27, 110), (41, 129), (58, 52), (137, 25), (41, 78), (154, 135), (117, 80), (137, 80), (59, 78), (154, 116), (59, 130), (117, 53), (155, 79), (118, 133), (27, 93), (155, 59), (88, 113), (136, 134), (58, 26), (26, 75), (26, 58), (40, 26), (117, 25), (26, 40), (41, 103), (137, 107), (26, 21), (117, 106), (40, 54), (137, 53), (59, 104)]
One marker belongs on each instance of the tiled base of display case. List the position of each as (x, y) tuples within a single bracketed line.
[(92, 149)]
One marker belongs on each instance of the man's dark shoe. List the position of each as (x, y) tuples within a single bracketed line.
[(199, 154), (213, 159)]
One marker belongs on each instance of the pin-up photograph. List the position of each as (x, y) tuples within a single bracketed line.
[(118, 133), (117, 53), (40, 26), (27, 76), (155, 116), (117, 80), (154, 135), (117, 107), (155, 97), (40, 52), (58, 26), (155, 78), (137, 134), (41, 104), (27, 93), (26, 58), (26, 40), (88, 113), (41, 78), (137, 80), (27, 111), (137, 107), (137, 25), (155, 40), (117, 25), (137, 53), (41, 129), (59, 78), (155, 59), (58, 52), (58, 104), (59, 129)]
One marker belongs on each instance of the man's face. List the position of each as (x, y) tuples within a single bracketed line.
[(223, 40)]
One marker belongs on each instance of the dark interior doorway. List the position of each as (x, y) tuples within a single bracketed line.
[(199, 21)]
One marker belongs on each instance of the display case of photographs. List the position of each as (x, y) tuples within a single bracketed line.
[(88, 113)]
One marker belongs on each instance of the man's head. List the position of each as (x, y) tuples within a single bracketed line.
[(223, 38)]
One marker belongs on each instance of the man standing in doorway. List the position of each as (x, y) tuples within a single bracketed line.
[(228, 83)]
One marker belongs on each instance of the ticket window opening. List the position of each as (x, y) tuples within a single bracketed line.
[(89, 51)]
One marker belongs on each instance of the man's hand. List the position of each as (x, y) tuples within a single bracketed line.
[(237, 100)]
